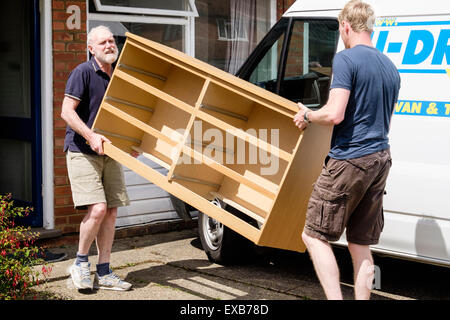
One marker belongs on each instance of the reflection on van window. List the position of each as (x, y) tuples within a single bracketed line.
[(265, 72), (308, 65)]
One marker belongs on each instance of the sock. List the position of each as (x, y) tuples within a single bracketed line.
[(103, 269), (82, 258)]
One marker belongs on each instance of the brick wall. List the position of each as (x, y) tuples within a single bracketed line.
[(69, 50), (294, 62), (282, 6)]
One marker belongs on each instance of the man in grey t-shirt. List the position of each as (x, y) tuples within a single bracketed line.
[(349, 191)]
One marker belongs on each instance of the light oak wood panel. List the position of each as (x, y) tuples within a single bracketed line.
[(216, 75), (154, 104), (244, 135), (285, 223), (182, 192)]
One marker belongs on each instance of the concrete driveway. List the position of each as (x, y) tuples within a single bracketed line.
[(173, 266)]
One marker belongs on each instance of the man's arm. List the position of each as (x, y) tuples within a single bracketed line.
[(332, 113), (73, 120)]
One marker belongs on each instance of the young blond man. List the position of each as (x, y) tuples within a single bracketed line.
[(349, 191)]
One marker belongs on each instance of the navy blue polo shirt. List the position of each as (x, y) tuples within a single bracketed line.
[(87, 83), (374, 83)]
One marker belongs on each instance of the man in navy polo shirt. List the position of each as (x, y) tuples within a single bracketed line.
[(97, 181)]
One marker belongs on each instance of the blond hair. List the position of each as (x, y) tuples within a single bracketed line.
[(359, 15)]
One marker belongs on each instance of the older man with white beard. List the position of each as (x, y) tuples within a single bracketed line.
[(97, 181)]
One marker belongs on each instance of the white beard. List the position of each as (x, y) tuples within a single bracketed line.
[(111, 57), (108, 58)]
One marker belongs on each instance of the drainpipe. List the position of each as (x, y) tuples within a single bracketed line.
[(47, 114)]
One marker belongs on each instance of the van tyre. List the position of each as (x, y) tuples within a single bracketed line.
[(221, 244)]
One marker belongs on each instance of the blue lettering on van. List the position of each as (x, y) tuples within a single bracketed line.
[(427, 39), (442, 48), (420, 45), (381, 42), (394, 47)]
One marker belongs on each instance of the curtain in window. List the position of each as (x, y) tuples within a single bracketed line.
[(243, 19)]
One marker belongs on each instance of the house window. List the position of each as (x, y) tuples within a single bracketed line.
[(184, 8), (169, 22), (227, 31), (221, 33)]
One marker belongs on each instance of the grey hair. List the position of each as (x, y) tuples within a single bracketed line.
[(93, 31)]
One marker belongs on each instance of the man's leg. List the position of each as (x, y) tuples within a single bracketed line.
[(325, 265), (105, 236), (90, 226), (104, 277), (363, 270)]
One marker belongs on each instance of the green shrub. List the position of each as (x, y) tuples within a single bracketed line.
[(18, 253)]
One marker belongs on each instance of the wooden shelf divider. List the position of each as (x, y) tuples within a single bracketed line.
[(265, 190), (245, 136), (236, 205), (151, 157), (154, 91), (137, 123)]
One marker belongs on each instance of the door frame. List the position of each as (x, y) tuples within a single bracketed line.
[(36, 115)]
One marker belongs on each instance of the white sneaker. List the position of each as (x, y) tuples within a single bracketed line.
[(81, 275), (111, 281)]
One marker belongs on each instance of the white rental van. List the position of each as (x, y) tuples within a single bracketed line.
[(294, 60)]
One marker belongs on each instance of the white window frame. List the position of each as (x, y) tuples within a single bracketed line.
[(148, 11), (153, 16), (306, 48), (223, 30)]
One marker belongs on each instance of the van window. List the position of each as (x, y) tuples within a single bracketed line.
[(264, 70), (308, 63), (265, 73)]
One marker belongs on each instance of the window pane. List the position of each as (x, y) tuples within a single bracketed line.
[(15, 176), (169, 35), (265, 73), (308, 65), (227, 31), (154, 4), (15, 59)]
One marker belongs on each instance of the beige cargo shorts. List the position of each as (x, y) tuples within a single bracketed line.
[(96, 179)]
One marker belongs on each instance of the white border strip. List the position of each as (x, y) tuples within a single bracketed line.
[(47, 114), (141, 19), (134, 10)]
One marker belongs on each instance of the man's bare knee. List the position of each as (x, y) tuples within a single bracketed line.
[(306, 239), (310, 241), (359, 250), (97, 212)]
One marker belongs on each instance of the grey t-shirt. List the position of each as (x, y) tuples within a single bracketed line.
[(374, 82)]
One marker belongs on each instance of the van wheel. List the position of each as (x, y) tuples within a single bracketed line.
[(221, 244)]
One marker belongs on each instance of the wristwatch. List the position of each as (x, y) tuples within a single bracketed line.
[(305, 117)]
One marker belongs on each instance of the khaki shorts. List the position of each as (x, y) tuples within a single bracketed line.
[(349, 195), (96, 179)]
